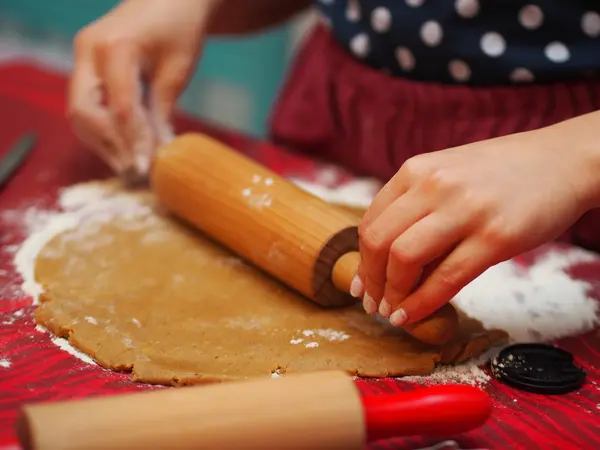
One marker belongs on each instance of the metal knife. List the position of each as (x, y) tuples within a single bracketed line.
[(16, 156)]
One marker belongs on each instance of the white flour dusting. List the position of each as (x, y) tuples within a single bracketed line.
[(258, 197), (25, 220), (5, 363), (328, 334), (538, 303), (64, 345), (324, 334), (468, 373), (78, 202), (13, 317), (357, 193), (80, 195)]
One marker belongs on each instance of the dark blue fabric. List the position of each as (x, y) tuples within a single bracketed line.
[(461, 41)]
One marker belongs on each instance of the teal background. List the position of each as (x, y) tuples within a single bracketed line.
[(253, 66)]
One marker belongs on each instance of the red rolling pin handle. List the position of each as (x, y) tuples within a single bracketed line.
[(437, 410)]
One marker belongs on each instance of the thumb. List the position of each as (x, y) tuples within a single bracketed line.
[(170, 79)]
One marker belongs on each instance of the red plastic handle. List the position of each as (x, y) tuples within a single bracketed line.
[(436, 410)]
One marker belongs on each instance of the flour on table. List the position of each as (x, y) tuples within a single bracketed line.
[(22, 221), (64, 345), (468, 373), (537, 303), (81, 195), (13, 317)]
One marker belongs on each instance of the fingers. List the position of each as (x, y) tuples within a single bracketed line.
[(168, 81), (393, 189), (126, 103), (94, 132), (469, 260), (425, 241), (118, 66), (90, 121), (375, 241)]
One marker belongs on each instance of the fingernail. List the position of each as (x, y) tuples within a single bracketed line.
[(369, 304), (385, 309), (356, 287), (398, 318)]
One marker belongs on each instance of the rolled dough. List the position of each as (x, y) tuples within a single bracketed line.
[(139, 291)]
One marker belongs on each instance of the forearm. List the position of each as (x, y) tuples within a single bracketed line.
[(234, 17), (580, 138)]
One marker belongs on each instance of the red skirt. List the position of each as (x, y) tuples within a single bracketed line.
[(333, 107)]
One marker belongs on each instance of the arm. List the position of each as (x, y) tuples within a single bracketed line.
[(580, 137), (234, 17)]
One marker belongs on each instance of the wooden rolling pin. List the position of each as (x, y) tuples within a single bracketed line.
[(317, 411), (294, 236)]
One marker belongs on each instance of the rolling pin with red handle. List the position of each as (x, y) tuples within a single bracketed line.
[(287, 232), (317, 411)]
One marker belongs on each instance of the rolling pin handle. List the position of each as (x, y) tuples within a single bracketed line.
[(438, 410), (344, 271)]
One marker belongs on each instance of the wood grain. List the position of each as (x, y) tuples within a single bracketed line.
[(286, 231)]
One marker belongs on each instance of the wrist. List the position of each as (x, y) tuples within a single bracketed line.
[(578, 140)]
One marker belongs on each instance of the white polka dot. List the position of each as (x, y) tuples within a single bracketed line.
[(381, 19), (521, 75), (405, 58), (459, 70), (531, 17), (493, 44), (360, 45), (415, 3), (353, 12), (557, 52), (467, 8), (431, 33), (590, 24)]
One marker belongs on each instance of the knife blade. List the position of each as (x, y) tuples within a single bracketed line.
[(16, 156)]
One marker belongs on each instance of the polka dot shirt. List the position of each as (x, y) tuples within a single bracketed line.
[(478, 42)]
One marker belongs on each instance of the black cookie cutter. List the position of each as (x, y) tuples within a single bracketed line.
[(538, 368)]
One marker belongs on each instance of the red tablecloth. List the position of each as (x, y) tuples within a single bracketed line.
[(32, 99)]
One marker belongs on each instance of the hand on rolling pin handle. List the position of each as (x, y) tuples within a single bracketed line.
[(448, 216), (139, 41)]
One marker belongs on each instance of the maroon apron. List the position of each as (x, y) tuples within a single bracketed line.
[(335, 108)]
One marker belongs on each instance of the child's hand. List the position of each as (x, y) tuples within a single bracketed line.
[(151, 41), (448, 216)]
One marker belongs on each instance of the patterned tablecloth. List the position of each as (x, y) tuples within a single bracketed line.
[(33, 369)]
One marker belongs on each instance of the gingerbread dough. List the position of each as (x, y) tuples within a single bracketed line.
[(139, 291)]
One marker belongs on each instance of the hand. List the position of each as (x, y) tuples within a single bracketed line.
[(151, 41), (448, 216)]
